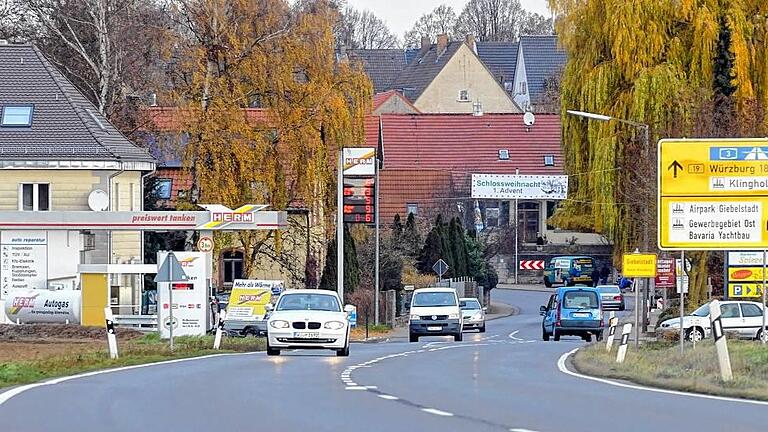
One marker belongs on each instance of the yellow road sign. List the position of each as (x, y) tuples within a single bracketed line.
[(638, 265), (745, 274), (744, 290)]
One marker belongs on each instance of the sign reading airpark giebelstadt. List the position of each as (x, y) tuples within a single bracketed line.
[(713, 194)]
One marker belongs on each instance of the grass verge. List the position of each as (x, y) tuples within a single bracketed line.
[(660, 364), (381, 330), (148, 349)]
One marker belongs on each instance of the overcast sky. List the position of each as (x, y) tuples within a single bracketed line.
[(401, 14)]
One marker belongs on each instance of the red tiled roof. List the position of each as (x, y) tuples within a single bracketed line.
[(165, 118), (380, 98), (400, 187), (180, 181), (464, 143)]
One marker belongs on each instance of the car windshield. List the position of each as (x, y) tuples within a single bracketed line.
[(702, 311), (469, 304), (609, 289), (580, 299), (439, 298), (318, 302)]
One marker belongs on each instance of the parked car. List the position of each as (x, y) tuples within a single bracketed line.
[(743, 318), (611, 297), (309, 319), (472, 314), (569, 271), (435, 312), (575, 311)]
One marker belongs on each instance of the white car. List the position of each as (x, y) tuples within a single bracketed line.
[(744, 318), (308, 319), (435, 312), (472, 314)]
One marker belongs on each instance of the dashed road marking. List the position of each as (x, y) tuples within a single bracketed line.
[(437, 412), (513, 337), (388, 397), (355, 387), (521, 430)]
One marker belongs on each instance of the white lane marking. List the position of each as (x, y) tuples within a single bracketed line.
[(388, 397), (6, 396), (521, 430), (437, 412), (513, 337), (371, 387), (355, 387), (564, 369)]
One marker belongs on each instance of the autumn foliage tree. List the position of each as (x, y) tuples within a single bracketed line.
[(234, 54)]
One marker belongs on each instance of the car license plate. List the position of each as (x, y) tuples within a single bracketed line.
[(434, 328), (306, 335), (581, 315)]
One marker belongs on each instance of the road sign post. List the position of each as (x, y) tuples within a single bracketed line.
[(638, 265), (440, 267), (612, 323), (623, 344), (170, 271)]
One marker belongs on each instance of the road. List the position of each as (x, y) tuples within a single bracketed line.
[(504, 380)]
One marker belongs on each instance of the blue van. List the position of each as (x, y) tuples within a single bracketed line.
[(573, 311)]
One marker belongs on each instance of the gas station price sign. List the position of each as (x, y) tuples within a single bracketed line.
[(359, 200)]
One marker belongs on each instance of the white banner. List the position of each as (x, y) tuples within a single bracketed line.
[(745, 258), (359, 161), (23, 260), (190, 298), (504, 186)]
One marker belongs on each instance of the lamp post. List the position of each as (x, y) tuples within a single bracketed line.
[(645, 238)]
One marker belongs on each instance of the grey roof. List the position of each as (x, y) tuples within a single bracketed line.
[(500, 57), (420, 72), (381, 65), (65, 125), (543, 59)]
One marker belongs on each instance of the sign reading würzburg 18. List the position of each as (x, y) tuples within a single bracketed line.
[(502, 186), (713, 194)]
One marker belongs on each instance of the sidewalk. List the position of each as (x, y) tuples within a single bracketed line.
[(525, 287)]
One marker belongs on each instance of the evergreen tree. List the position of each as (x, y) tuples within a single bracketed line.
[(431, 252), (397, 228), (447, 256), (722, 69), (411, 239), (351, 266), (458, 247)]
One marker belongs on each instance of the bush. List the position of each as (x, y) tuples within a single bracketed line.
[(671, 311)]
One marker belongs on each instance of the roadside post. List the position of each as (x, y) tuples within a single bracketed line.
[(682, 289), (612, 323), (638, 265), (721, 342), (111, 337), (219, 330), (623, 344)]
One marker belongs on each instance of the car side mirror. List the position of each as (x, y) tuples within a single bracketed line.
[(349, 309), (268, 307), (485, 308), (543, 310)]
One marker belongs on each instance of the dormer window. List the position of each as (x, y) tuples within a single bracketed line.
[(549, 160), (503, 154), (16, 116)]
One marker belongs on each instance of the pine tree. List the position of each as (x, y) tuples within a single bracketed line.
[(411, 239), (351, 266), (396, 227), (458, 247), (447, 256), (431, 252)]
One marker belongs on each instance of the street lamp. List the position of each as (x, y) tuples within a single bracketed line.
[(646, 147)]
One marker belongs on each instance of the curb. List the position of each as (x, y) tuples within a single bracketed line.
[(542, 290)]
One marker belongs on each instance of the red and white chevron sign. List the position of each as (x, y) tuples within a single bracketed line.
[(531, 264)]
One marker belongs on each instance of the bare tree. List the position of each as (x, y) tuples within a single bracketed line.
[(535, 24), (442, 20), (364, 30), (492, 20)]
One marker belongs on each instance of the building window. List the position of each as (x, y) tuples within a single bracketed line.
[(412, 208), (163, 188), (233, 266), (17, 115), (491, 216), (509, 86), (523, 88), (549, 160), (34, 197), (503, 154), (464, 96)]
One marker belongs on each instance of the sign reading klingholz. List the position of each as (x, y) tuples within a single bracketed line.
[(517, 186), (359, 185), (713, 194)]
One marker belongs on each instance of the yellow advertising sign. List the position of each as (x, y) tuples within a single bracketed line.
[(745, 274), (713, 194), (744, 290), (248, 298), (638, 265)]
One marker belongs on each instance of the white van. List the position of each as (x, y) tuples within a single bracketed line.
[(435, 312)]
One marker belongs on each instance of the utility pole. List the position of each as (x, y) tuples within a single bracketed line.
[(517, 243), (377, 287), (340, 227)]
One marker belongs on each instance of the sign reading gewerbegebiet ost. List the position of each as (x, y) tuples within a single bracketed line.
[(504, 186), (744, 274), (190, 297), (359, 189), (713, 194)]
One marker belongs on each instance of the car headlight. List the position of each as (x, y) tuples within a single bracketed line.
[(415, 317), (334, 325), (279, 324), (478, 316), (454, 316)]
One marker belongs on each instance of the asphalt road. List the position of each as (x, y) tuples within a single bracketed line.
[(506, 379)]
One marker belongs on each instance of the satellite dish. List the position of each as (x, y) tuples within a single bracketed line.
[(98, 200), (528, 118)]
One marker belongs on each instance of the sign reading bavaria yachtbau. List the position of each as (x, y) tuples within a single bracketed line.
[(713, 194), (505, 186)]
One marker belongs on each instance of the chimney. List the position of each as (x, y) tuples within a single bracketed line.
[(426, 42), (442, 43), (470, 41)]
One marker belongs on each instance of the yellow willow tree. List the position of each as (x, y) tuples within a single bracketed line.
[(235, 54), (694, 68)]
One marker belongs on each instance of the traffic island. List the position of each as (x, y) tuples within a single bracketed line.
[(36, 355), (660, 364)]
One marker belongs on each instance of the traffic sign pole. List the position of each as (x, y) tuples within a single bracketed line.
[(682, 301), (340, 227), (763, 334)]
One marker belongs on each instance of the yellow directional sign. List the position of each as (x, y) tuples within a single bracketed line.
[(744, 290), (638, 265), (713, 194)]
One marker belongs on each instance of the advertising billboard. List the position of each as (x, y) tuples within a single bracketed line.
[(249, 296), (508, 187)]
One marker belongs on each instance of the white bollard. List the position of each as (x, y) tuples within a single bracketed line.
[(111, 338), (612, 323), (721, 342), (219, 330), (623, 344)]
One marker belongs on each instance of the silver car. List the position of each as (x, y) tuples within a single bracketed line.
[(472, 314), (611, 297)]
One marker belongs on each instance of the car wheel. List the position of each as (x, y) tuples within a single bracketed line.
[(694, 334), (547, 283), (344, 352), (250, 332), (761, 335), (458, 337), (482, 329), (272, 352), (555, 335), (599, 336), (413, 338), (544, 335), (588, 337)]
